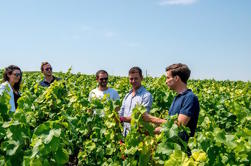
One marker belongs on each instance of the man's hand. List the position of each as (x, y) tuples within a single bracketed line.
[(146, 117), (157, 130), (125, 119)]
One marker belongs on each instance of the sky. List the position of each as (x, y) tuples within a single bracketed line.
[(213, 37)]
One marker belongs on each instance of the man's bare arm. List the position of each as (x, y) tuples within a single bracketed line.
[(183, 119), (149, 118)]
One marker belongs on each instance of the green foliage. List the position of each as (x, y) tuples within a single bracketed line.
[(139, 143), (59, 126)]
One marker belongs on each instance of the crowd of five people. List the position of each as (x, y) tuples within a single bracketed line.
[(185, 104)]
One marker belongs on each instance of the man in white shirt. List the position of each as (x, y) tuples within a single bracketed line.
[(137, 95), (102, 89)]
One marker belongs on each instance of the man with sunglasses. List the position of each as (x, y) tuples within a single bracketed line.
[(102, 89), (46, 69)]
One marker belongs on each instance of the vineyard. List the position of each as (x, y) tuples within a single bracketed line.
[(56, 125)]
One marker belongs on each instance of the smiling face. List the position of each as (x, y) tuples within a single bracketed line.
[(14, 77), (102, 80), (135, 80), (47, 70)]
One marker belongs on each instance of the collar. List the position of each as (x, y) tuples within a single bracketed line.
[(103, 90), (141, 88), (185, 92), (53, 78), (8, 84)]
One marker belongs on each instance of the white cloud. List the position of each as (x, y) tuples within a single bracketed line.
[(177, 2)]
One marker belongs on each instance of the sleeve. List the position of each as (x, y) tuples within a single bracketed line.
[(116, 95), (188, 106), (91, 94), (122, 109), (2, 89), (147, 102)]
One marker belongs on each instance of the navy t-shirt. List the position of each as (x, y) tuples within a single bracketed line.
[(47, 84), (187, 104)]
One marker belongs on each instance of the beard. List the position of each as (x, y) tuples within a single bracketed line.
[(103, 84), (49, 74)]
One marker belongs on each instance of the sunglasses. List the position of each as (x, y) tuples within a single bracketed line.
[(48, 69), (17, 74), (103, 79)]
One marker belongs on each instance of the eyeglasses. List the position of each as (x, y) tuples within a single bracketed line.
[(17, 74), (48, 69), (103, 79)]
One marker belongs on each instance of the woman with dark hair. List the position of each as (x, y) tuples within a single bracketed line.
[(12, 78)]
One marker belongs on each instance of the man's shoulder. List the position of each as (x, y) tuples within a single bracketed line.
[(94, 90), (112, 90), (145, 92), (56, 78), (191, 95), (42, 83)]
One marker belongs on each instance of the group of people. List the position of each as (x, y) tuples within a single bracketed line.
[(185, 104), (12, 78)]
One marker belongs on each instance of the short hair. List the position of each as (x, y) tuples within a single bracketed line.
[(99, 72), (180, 70), (135, 69), (43, 64), (8, 70)]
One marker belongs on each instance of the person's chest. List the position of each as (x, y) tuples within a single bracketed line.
[(132, 101), (176, 105)]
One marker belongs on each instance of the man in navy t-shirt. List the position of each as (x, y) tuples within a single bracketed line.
[(185, 104), (49, 78)]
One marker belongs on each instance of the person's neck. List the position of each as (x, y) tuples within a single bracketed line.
[(134, 90), (102, 88), (49, 78), (181, 88)]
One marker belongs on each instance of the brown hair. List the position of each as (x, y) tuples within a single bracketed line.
[(8, 71), (101, 71), (42, 65), (135, 69), (180, 70)]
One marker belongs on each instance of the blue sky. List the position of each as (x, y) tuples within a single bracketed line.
[(213, 37)]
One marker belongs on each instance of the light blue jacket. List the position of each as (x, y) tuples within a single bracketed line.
[(3, 87)]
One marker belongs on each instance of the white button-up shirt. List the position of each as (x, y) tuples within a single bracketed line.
[(142, 97)]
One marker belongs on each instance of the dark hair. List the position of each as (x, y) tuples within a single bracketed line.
[(101, 71), (180, 70), (42, 65), (135, 69), (8, 71)]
